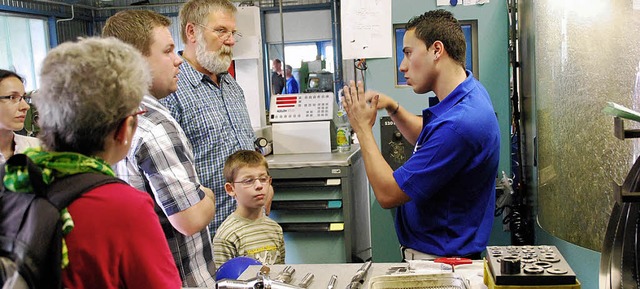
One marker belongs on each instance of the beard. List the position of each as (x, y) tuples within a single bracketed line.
[(215, 62)]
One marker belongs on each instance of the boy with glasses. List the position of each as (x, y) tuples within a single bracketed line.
[(248, 231)]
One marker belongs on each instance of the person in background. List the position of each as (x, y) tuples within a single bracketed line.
[(248, 232), (292, 84), (161, 160), (444, 193), (209, 104), (277, 77), (14, 104), (88, 101)]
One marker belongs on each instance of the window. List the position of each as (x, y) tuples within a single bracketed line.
[(297, 53), (328, 56), (23, 46)]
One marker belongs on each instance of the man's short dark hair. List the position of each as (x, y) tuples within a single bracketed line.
[(440, 25)]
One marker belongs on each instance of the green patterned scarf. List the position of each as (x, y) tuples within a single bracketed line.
[(54, 165)]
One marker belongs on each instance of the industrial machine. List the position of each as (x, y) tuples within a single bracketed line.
[(619, 257), (395, 148), (307, 74), (320, 81), (303, 122)]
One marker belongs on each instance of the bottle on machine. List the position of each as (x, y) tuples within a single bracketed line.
[(343, 131)]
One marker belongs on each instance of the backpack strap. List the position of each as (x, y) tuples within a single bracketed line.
[(36, 243), (64, 191)]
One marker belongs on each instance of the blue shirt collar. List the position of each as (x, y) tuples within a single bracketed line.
[(454, 97)]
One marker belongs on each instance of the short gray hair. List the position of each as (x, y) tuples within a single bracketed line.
[(197, 12), (86, 89)]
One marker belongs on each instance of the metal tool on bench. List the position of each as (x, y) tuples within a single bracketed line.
[(285, 275), (332, 282), (453, 261), (359, 277), (261, 281), (306, 280)]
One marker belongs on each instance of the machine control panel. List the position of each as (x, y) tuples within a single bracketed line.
[(297, 107)]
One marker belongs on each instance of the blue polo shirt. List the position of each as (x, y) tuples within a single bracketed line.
[(451, 175)]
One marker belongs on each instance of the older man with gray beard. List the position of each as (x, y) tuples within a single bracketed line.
[(209, 104)]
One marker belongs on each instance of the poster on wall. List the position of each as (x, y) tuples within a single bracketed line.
[(366, 29)]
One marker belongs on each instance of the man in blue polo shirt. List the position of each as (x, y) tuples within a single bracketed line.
[(445, 193)]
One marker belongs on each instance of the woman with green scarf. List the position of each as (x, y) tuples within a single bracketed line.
[(88, 101)]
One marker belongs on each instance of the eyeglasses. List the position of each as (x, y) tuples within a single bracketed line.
[(247, 183), (141, 110), (223, 33), (18, 98)]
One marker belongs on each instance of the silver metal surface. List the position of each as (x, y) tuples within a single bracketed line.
[(359, 277)]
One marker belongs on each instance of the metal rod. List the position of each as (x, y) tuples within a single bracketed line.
[(332, 282), (304, 283), (73, 15)]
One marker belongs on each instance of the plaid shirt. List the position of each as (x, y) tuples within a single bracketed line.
[(160, 162), (216, 121)]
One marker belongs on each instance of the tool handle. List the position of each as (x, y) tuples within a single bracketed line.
[(453, 260)]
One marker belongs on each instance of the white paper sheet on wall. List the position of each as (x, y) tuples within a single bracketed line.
[(474, 2), (443, 3), (636, 4), (366, 29)]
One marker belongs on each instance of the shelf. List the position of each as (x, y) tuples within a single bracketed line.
[(312, 227)]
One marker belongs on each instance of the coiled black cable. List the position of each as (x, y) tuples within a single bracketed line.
[(519, 225)]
